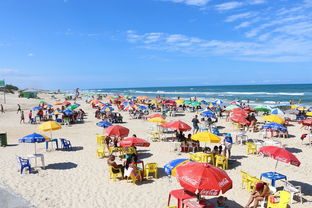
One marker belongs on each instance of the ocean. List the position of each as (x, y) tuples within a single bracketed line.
[(269, 94)]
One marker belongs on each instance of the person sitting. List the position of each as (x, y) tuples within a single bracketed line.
[(116, 168), (262, 191), (131, 169), (215, 150), (207, 150), (221, 202)]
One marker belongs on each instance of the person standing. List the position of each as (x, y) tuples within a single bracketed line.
[(30, 117), (18, 108), (195, 122), (22, 117), (2, 109)]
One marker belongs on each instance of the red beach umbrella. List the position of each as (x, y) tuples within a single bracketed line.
[(66, 103), (178, 125), (117, 130), (248, 110), (280, 154), (240, 120), (204, 178), (239, 112), (170, 102), (134, 141), (306, 122), (157, 115)]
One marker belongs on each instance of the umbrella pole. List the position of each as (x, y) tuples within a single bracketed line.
[(275, 166)]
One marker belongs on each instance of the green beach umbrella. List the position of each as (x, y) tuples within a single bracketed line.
[(188, 102), (195, 104), (231, 107), (40, 101), (262, 108), (72, 107)]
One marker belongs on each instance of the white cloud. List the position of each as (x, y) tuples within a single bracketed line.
[(191, 2), (257, 1), (235, 17), (30, 54), (228, 6), (7, 71)]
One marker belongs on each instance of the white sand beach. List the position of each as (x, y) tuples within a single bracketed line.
[(79, 179)]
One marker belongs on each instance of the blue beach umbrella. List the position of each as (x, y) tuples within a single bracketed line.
[(208, 114), (49, 106), (217, 102), (33, 138), (107, 108), (36, 108), (68, 112), (142, 107), (275, 126), (104, 124), (277, 111), (173, 164)]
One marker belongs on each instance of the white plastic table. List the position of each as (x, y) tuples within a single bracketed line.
[(35, 156)]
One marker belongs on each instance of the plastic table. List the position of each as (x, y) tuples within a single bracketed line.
[(273, 176), (51, 141), (35, 156)]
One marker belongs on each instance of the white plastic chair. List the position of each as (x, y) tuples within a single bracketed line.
[(293, 190)]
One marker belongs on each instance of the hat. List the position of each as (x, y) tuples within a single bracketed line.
[(228, 135), (259, 186)]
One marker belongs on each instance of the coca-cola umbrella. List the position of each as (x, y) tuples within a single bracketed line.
[(306, 122), (239, 112), (178, 125), (169, 102), (134, 141), (157, 115), (117, 130), (240, 120), (280, 154), (203, 178)]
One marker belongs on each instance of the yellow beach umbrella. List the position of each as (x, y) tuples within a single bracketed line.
[(206, 136), (179, 101), (157, 120), (174, 170), (49, 126), (309, 113), (154, 102), (274, 118), (293, 107)]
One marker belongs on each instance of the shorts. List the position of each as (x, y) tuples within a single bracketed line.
[(228, 146), (196, 127)]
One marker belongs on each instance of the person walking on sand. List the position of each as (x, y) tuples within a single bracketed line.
[(195, 122), (2, 109), (18, 108), (22, 117)]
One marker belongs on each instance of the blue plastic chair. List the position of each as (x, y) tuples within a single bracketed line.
[(66, 144), (24, 164), (216, 131)]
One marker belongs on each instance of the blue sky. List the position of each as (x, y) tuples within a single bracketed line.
[(63, 44)]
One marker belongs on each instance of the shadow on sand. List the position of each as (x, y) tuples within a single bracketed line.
[(62, 166)]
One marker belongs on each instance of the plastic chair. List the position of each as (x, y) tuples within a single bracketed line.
[(24, 164), (100, 139), (116, 149), (195, 157), (112, 174), (133, 178), (100, 152), (155, 136), (151, 168), (252, 181), (223, 161), (244, 179), (66, 144), (293, 190), (283, 201), (251, 148)]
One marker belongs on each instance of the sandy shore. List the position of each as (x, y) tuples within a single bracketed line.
[(79, 179)]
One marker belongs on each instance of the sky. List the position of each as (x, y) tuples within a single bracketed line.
[(64, 44)]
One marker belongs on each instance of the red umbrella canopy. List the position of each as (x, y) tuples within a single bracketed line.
[(169, 102), (280, 154), (66, 103), (205, 178), (179, 125), (157, 115), (306, 122), (239, 112), (134, 141), (248, 110), (240, 120), (117, 130)]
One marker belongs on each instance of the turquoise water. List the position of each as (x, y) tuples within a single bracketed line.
[(255, 93)]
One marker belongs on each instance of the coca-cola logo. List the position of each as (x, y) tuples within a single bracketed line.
[(212, 192), (224, 182), (282, 159), (189, 180)]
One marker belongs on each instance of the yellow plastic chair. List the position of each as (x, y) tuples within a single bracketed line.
[(251, 148), (116, 149), (151, 168), (195, 157), (222, 161), (252, 181), (114, 175), (100, 152), (129, 150), (133, 178), (283, 201), (244, 179), (100, 139), (172, 206)]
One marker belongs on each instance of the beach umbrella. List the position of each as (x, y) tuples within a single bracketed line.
[(301, 108), (277, 111), (49, 126), (240, 120), (309, 113), (203, 178), (231, 107), (153, 102), (217, 102), (58, 103), (179, 101), (170, 168), (34, 138), (178, 125), (248, 110), (204, 102), (239, 112), (235, 102), (72, 107), (40, 101), (104, 124), (157, 120), (169, 102), (292, 111), (195, 104), (274, 118), (206, 136), (306, 122), (36, 108), (142, 107), (262, 108), (157, 115), (128, 108), (134, 141), (142, 97), (68, 112), (66, 103), (275, 126), (280, 154), (117, 130), (209, 114), (107, 109), (127, 103)]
